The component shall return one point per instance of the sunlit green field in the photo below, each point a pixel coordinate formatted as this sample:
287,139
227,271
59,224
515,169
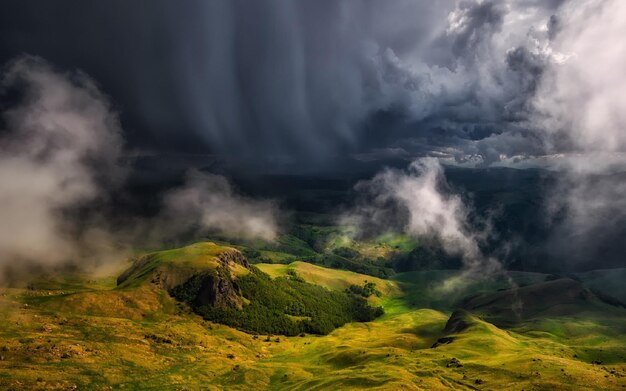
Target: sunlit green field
83,332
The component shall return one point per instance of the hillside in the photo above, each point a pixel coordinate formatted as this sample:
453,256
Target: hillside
329,278
559,297
219,284
85,332
167,269
605,282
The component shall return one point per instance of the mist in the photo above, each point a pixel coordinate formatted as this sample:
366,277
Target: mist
208,203
580,107
60,151
417,201
61,163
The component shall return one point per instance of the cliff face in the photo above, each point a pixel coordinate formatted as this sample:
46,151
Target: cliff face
202,274
217,291
234,256
221,290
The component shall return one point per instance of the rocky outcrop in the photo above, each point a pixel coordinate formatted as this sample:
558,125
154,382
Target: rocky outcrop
216,288
234,256
459,321
200,274
169,268
217,291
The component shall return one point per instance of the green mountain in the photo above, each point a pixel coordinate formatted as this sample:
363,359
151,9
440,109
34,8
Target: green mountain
152,324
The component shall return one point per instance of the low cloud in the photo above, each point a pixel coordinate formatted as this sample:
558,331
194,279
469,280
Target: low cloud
581,110
60,150
62,146
208,203
417,201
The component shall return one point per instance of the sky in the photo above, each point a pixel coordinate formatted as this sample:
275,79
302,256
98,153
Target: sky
303,85
307,87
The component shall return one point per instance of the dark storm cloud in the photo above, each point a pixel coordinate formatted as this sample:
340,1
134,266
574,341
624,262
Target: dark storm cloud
553,26
300,85
281,82
300,78
581,108
121,44
61,163
472,24
527,66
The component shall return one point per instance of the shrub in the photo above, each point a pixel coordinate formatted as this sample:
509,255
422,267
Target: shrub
368,289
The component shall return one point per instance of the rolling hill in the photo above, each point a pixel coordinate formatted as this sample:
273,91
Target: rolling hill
86,332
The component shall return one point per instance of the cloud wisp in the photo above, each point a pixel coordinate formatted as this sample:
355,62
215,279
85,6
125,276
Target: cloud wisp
208,203
581,109
61,163
60,150
417,201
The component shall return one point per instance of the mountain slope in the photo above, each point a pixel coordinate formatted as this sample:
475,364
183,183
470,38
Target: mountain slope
91,334
219,284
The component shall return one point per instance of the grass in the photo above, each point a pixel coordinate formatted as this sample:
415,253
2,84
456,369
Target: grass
608,281
382,247
81,332
329,278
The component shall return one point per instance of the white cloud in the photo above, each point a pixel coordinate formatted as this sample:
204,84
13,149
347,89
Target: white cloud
430,210
208,203
61,147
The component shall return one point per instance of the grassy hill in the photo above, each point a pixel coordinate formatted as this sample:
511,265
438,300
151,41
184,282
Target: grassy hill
85,332
219,284
329,278
606,281
559,297
172,267
334,247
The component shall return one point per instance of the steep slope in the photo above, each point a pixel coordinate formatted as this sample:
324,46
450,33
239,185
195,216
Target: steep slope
167,269
219,284
559,297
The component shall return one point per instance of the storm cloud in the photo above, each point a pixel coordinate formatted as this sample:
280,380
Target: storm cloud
299,84
60,150
298,80
580,106
62,147
304,86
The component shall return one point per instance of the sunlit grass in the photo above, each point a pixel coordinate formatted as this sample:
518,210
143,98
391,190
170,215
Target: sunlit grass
81,331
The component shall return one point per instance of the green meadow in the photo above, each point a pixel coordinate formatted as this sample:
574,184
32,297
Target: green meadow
86,331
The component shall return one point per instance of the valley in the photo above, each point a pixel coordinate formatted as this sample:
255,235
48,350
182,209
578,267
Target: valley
83,331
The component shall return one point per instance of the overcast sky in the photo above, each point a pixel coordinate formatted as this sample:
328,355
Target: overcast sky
307,83
316,87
